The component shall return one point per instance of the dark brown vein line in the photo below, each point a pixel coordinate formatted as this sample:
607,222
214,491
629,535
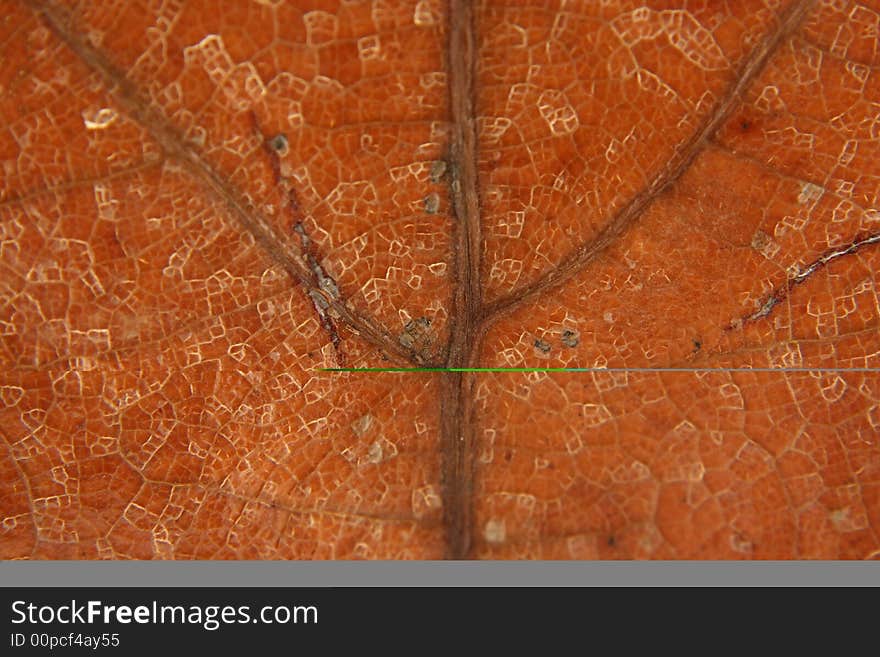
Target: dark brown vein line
307,247
280,248
457,441
783,292
788,21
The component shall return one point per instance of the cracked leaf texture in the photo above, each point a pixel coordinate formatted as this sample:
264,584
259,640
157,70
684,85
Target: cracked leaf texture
204,203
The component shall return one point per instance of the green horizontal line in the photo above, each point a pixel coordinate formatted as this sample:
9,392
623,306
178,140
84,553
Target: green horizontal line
601,369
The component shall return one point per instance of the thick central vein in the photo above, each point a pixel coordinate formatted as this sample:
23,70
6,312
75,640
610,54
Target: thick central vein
457,442
470,316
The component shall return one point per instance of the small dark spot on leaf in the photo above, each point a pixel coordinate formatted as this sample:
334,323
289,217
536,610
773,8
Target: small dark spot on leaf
570,338
418,323
278,143
745,124
438,169
542,346
508,456
612,541
416,334
432,203
697,345
761,240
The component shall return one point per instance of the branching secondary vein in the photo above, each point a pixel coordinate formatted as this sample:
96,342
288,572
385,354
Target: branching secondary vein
788,21
282,249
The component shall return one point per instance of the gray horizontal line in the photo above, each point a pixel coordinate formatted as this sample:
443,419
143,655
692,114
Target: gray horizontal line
820,370
727,369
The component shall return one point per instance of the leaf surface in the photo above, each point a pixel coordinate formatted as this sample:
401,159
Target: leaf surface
203,204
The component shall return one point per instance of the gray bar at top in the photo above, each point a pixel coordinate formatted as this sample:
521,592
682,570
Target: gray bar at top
435,573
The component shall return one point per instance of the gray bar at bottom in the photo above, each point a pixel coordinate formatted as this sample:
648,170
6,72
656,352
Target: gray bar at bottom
435,573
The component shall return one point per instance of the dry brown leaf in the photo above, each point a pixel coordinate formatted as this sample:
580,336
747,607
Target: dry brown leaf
203,204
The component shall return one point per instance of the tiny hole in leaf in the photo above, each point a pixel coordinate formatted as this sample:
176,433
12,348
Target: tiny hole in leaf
278,143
